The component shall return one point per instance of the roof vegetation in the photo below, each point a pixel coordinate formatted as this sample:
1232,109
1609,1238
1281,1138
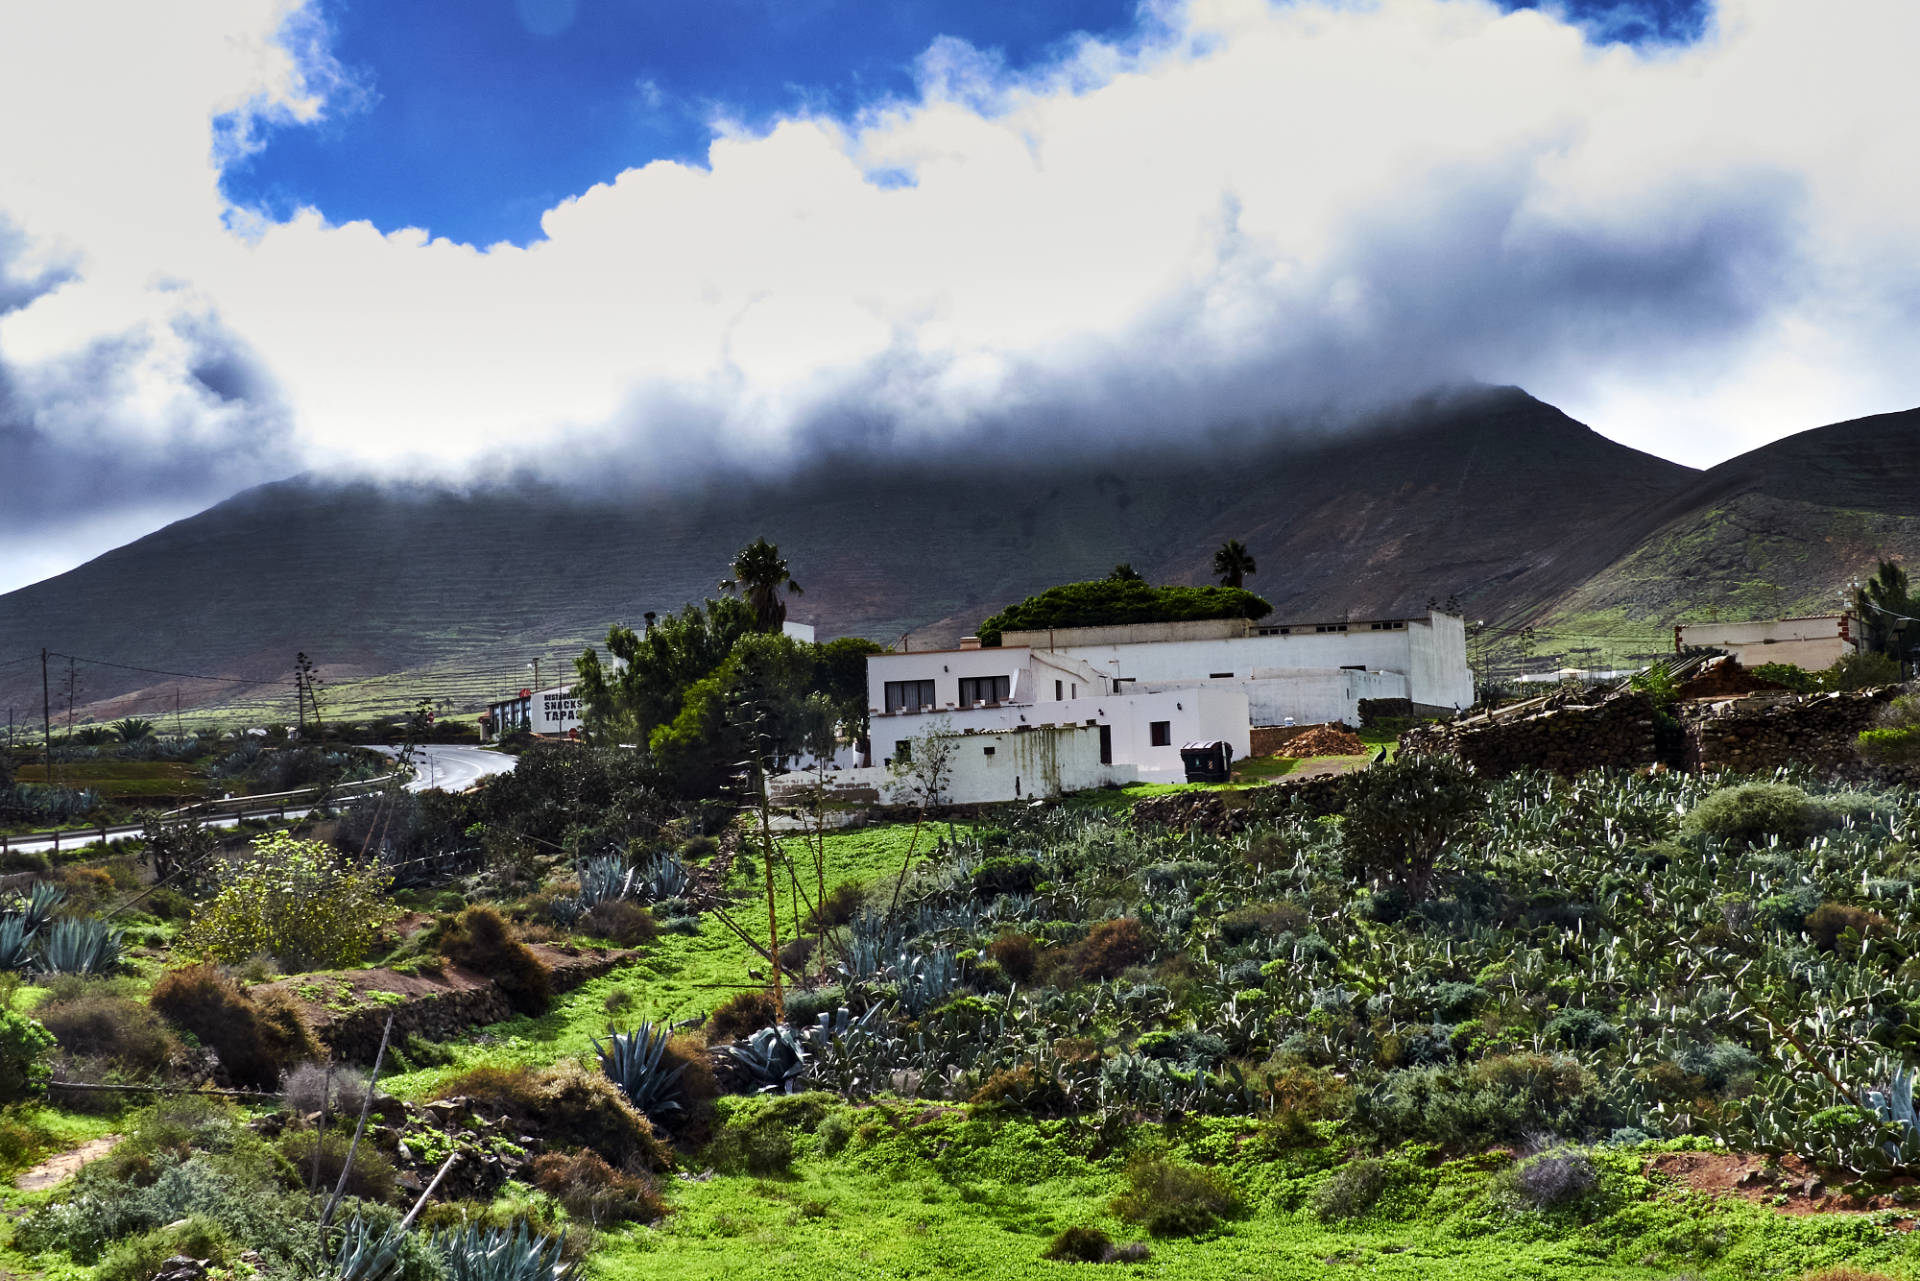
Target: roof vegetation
1107,601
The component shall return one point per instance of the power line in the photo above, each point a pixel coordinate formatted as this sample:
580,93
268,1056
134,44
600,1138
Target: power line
159,671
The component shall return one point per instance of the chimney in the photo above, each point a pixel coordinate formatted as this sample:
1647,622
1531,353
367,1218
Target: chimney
969,642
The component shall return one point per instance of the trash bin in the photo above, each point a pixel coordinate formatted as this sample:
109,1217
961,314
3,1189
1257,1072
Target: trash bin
1208,762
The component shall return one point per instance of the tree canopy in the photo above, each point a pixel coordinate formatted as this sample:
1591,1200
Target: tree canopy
1108,601
760,575
1232,563
1885,605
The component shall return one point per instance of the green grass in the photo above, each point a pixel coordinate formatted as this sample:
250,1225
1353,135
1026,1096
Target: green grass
932,1193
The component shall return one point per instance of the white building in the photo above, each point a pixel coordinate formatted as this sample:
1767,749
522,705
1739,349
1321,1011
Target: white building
544,711
1814,643
1298,672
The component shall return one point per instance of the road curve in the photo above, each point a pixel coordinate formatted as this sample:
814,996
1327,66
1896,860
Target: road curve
450,766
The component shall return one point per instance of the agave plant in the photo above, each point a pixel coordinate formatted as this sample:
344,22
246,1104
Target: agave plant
664,877
604,878
518,1253
366,1254
632,1061
16,943
42,901
774,1057
79,947
925,981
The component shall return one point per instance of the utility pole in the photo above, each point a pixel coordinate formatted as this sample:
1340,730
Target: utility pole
46,713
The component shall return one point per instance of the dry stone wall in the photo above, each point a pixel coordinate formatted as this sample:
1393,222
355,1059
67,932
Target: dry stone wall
1757,734
1564,737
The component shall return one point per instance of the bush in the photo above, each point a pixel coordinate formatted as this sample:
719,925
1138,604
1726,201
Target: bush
373,1174
1262,920
1015,954
1582,1029
1896,741
1400,815
621,920
143,1257
1553,1178
256,1040
752,1140
299,902
595,1193
1502,1099
1827,923
740,1015
23,1053
479,939
1111,600
1080,1245
1006,874
1354,1189
1111,947
102,1024
569,1107
315,1087
1021,1089
1862,669
1172,1199
1752,812
841,905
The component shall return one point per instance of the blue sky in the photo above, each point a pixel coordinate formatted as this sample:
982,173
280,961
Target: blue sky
471,118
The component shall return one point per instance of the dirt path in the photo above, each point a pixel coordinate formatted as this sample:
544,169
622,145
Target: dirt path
55,1168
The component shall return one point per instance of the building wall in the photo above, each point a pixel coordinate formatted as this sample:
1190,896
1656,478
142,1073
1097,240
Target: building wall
1315,696
1192,715
989,767
1437,675
1813,643
945,668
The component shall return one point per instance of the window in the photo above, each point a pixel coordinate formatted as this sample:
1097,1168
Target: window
902,750
1387,627
986,751
984,689
1059,691
1076,690
909,696
1219,676
1331,627
1160,733
1106,744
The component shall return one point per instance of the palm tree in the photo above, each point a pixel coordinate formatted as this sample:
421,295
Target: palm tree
760,574
132,729
1232,563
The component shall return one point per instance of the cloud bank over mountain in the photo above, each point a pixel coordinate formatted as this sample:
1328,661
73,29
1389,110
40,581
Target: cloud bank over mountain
1243,213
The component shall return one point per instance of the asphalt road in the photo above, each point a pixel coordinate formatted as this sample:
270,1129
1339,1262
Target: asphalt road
450,767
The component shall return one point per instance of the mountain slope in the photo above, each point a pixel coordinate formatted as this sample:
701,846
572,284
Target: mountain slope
1775,532
1488,495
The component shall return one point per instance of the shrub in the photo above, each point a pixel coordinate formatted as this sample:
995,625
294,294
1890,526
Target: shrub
373,1174
1862,669
1400,815
568,1106
1111,947
315,1087
741,1014
104,1025
1582,1029
752,1140
1262,920
1896,741
1015,954
1354,1189
143,1257
299,902
621,920
841,905
23,1053
1080,1245
1173,1199
1752,812
1110,600
1827,923
594,1192
255,1040
479,939
1501,1099
1553,1178
1022,1089
1006,874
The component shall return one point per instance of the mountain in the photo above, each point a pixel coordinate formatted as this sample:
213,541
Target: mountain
1772,533
1487,496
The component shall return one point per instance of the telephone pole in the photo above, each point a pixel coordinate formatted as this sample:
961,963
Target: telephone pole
46,713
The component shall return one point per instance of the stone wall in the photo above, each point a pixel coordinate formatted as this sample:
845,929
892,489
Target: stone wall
1757,734
1562,736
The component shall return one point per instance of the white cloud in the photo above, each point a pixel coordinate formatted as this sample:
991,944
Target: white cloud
1250,209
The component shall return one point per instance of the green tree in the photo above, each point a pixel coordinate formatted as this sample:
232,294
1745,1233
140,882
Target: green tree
840,673
1400,815
1107,601
132,729
1885,606
760,575
1125,573
626,703
758,706
1232,563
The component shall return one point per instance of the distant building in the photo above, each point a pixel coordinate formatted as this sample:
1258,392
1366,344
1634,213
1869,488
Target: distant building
1815,642
546,711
